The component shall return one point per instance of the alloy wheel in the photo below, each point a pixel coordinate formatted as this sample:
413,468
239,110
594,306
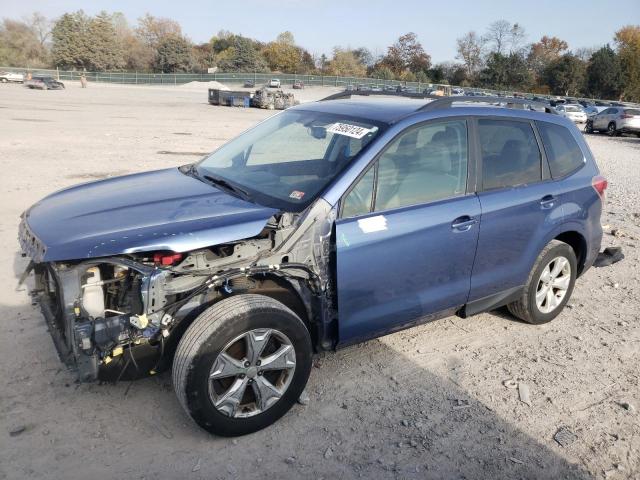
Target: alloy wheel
553,284
251,373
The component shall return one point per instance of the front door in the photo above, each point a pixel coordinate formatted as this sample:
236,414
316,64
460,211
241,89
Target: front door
407,235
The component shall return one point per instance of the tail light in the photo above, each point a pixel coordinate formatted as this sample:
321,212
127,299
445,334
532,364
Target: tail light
626,115
600,185
166,258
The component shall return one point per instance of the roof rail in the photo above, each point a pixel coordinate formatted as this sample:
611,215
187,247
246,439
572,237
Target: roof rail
367,93
445,102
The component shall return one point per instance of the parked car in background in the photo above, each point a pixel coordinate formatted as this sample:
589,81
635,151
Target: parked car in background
298,85
249,84
376,88
389,88
614,121
235,269
457,92
363,87
592,110
274,83
44,83
6,77
573,112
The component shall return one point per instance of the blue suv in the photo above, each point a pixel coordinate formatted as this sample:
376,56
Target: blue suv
325,225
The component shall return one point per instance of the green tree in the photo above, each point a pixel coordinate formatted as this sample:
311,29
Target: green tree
383,73
69,40
604,74
565,75
506,71
628,46
241,56
103,47
174,55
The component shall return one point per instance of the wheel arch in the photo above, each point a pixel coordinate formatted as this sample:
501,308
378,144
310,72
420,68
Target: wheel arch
578,243
279,289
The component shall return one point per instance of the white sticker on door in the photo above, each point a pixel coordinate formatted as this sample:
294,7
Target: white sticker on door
373,224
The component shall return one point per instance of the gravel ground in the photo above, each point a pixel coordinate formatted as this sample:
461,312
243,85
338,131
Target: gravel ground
436,401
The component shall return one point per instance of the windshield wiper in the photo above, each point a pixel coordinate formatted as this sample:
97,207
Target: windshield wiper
221,182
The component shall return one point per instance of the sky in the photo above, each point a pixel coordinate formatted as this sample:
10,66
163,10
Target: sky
320,25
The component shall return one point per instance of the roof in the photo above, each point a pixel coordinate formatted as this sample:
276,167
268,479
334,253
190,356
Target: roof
385,110
394,108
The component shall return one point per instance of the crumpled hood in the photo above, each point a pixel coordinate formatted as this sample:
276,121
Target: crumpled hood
159,210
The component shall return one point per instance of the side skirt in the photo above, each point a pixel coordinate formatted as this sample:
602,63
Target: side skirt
491,302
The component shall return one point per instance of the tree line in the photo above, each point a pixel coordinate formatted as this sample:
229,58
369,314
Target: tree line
499,58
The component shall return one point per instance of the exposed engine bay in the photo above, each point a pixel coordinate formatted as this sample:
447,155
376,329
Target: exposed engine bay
120,317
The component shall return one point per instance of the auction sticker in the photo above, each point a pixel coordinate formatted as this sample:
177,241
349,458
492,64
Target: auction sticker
296,195
353,131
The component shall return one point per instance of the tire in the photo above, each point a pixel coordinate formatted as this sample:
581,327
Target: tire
4,80
224,328
611,129
588,128
526,308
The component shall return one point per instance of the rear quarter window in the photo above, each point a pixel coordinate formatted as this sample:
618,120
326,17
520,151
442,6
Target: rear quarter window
563,153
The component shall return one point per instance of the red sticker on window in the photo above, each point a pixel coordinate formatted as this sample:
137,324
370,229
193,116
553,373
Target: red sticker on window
296,195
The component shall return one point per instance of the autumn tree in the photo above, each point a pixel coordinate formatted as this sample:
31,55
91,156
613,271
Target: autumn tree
406,54
628,45
345,64
282,54
153,30
470,48
604,74
20,45
545,51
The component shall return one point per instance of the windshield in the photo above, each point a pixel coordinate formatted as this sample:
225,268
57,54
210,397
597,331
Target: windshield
287,160
573,108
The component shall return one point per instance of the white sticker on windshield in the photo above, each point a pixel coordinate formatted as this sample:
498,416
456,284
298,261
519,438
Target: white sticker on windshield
353,131
372,224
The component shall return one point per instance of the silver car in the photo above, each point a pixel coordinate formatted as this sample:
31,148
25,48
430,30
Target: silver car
573,112
615,120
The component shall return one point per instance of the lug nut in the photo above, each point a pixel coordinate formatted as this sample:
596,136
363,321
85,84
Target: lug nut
247,364
259,373
258,363
242,375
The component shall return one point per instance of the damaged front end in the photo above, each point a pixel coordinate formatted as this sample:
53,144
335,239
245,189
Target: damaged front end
120,316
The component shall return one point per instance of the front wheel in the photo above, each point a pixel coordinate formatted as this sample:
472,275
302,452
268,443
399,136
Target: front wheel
588,128
242,364
549,285
611,130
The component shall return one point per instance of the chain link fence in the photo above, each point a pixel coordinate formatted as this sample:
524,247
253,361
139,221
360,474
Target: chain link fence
136,78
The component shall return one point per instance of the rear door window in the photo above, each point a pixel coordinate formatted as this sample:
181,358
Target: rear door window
563,153
510,154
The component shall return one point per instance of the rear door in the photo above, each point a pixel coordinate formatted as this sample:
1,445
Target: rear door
519,205
407,233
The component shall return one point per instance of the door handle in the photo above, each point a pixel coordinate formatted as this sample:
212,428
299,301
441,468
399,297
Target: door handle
464,223
548,201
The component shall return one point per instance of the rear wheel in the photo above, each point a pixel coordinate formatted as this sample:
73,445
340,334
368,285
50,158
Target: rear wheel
242,364
611,130
549,285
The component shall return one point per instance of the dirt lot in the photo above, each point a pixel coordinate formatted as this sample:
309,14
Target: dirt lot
429,402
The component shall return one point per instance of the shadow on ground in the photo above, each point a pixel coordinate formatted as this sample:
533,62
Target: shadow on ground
373,413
